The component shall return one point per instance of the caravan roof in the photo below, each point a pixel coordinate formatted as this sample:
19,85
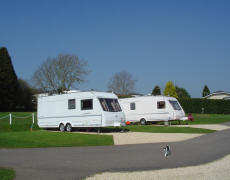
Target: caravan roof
80,94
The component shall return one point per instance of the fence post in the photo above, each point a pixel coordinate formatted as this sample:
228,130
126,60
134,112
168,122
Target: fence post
33,117
10,119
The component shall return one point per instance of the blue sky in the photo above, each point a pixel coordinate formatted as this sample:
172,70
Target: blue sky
187,42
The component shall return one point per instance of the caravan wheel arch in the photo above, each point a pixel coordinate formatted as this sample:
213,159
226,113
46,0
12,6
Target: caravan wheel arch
143,121
67,126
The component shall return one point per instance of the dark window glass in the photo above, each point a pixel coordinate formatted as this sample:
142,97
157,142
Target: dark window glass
175,105
111,105
71,104
86,104
117,105
132,106
104,104
160,104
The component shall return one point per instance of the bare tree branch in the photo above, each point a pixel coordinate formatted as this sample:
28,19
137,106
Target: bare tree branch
60,73
122,83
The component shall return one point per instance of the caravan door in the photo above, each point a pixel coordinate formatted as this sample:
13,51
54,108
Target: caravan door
162,113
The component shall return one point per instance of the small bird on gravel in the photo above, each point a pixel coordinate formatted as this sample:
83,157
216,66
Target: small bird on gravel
167,150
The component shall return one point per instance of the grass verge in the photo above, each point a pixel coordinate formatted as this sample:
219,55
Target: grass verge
167,129
37,139
18,135
207,119
210,118
7,174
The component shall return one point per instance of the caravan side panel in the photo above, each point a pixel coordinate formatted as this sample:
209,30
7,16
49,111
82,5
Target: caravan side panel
54,110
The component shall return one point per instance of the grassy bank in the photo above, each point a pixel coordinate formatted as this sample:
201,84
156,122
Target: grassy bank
18,135
7,174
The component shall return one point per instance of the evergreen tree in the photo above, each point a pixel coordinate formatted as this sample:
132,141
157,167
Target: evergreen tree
182,93
156,91
8,82
206,91
170,90
25,95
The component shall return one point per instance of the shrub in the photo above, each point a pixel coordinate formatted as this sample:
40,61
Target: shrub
211,106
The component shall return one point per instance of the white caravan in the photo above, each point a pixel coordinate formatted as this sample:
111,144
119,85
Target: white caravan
145,109
79,109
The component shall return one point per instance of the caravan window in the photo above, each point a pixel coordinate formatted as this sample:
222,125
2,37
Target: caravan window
132,106
175,105
86,104
110,105
160,104
71,104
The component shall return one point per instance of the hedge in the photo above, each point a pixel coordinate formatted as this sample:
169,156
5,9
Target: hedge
210,106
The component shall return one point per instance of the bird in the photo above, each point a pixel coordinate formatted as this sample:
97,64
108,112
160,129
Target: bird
167,150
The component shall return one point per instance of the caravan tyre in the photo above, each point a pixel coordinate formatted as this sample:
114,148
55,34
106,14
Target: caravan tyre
62,127
143,121
68,127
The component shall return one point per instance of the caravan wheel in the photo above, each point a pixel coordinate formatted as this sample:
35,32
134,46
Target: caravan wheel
68,127
62,127
143,121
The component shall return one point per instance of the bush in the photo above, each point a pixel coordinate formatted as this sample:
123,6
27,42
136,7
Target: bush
211,106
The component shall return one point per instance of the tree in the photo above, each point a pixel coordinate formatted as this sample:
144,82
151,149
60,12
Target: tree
182,93
156,91
122,83
60,73
8,82
206,91
170,90
25,96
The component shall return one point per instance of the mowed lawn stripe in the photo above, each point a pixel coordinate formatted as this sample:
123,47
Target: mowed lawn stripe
36,139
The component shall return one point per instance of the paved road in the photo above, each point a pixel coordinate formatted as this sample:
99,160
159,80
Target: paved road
77,163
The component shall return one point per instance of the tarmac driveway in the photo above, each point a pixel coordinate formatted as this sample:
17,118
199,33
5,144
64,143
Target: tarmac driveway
79,162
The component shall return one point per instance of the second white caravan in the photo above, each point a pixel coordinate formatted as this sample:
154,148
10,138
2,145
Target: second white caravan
145,109
79,109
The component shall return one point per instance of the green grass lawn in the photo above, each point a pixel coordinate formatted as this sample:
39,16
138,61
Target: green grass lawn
7,174
166,129
18,124
36,139
210,118
18,135
207,119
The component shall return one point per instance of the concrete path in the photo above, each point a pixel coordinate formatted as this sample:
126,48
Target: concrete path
77,163
217,127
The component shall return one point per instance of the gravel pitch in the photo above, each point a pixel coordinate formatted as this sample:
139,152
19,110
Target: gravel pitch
141,138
